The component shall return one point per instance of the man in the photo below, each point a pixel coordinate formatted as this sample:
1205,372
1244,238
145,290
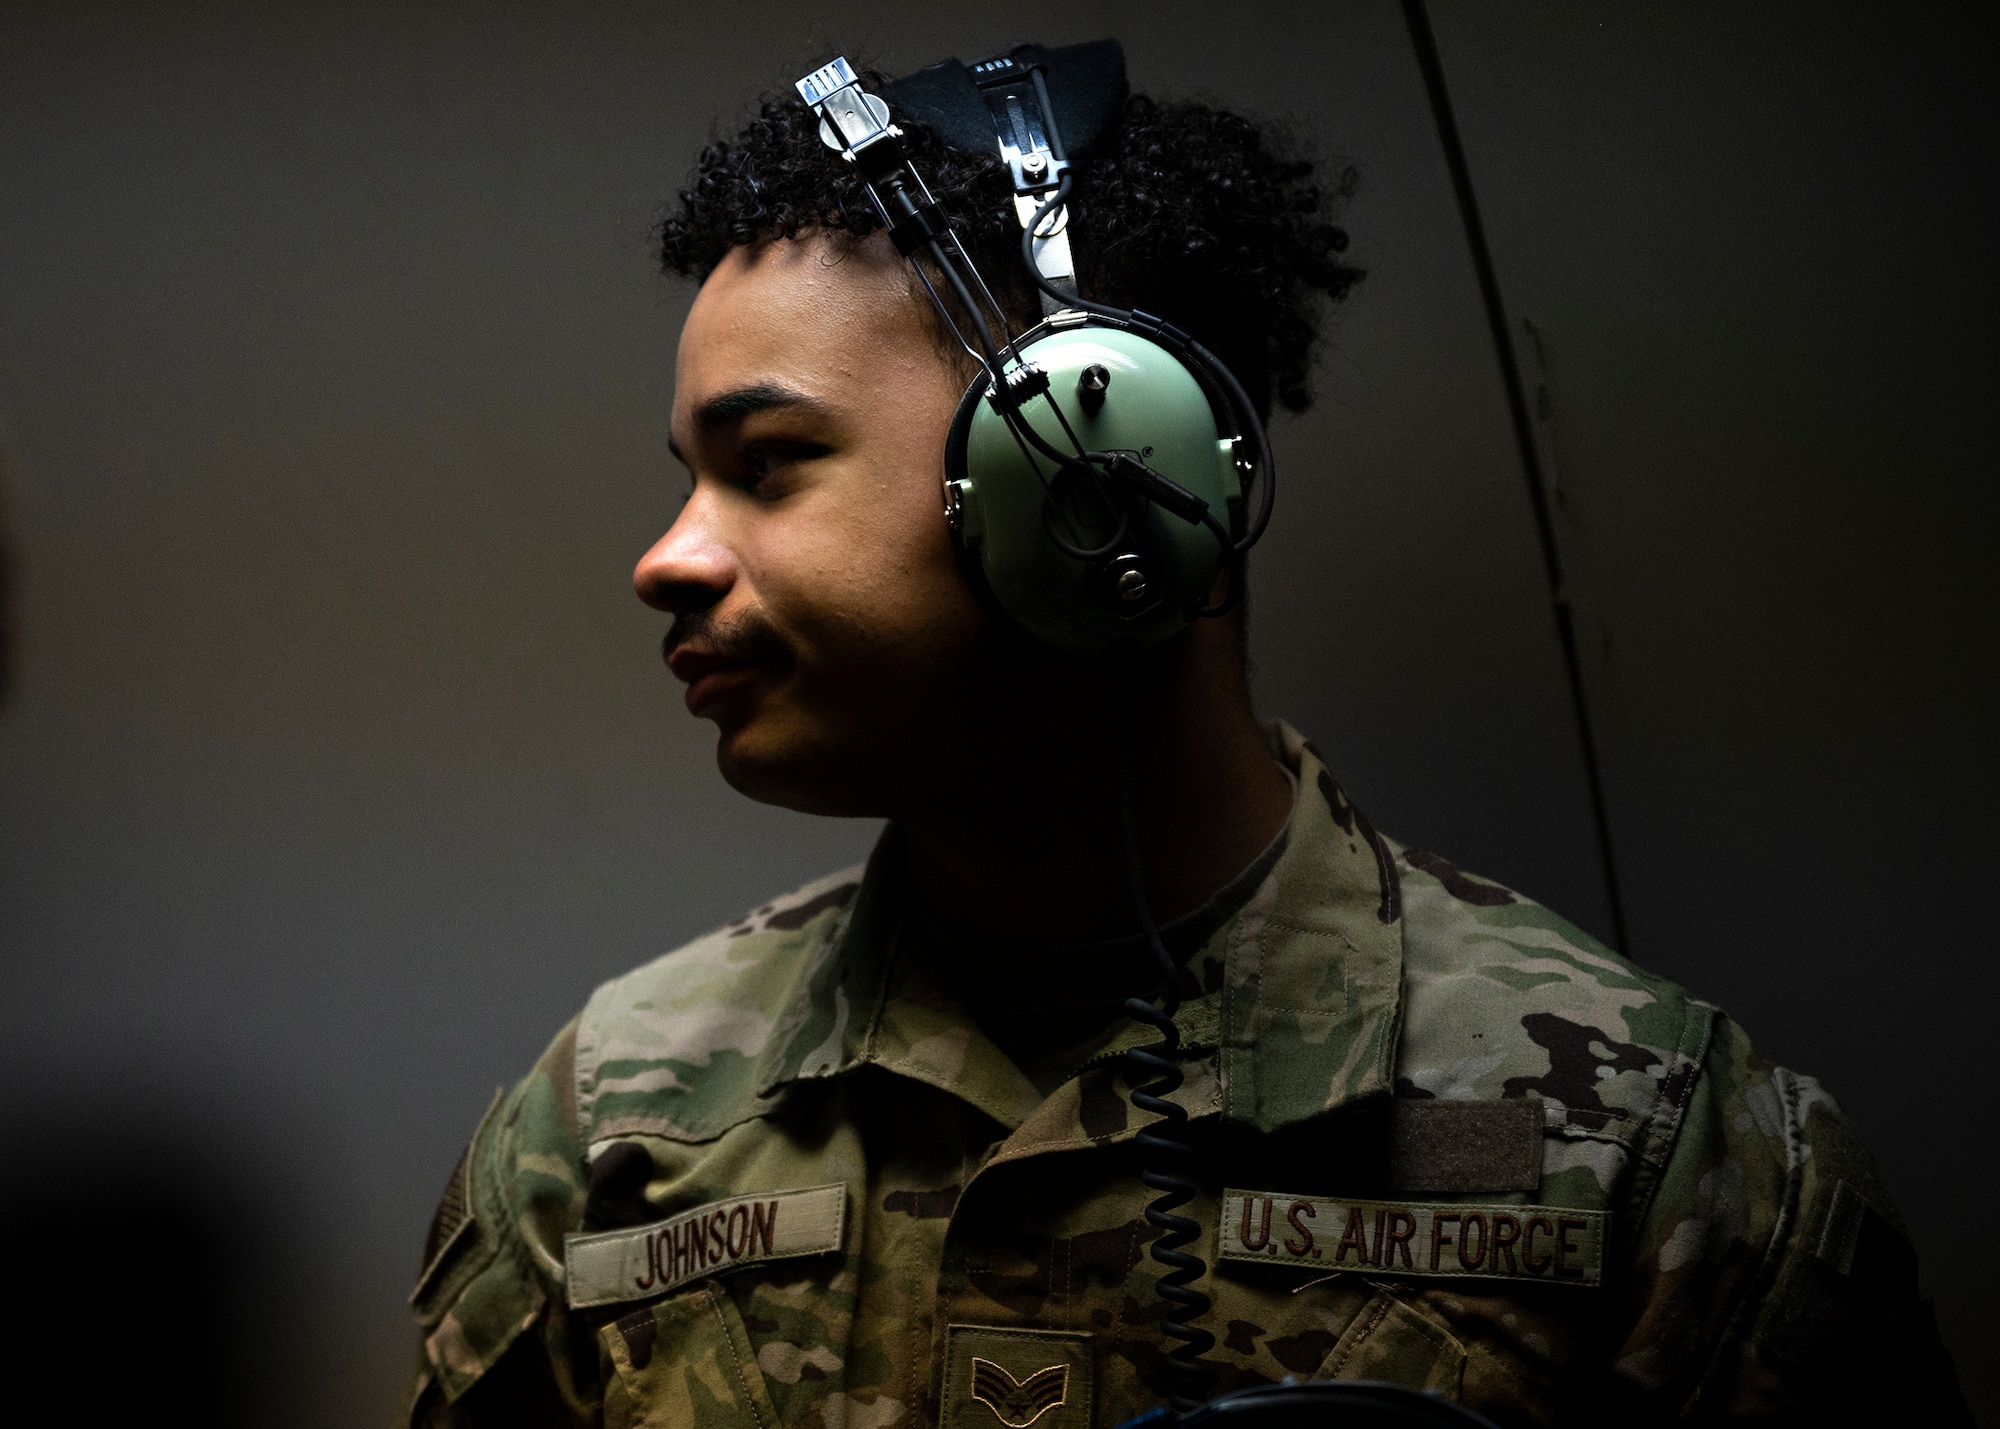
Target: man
866,1158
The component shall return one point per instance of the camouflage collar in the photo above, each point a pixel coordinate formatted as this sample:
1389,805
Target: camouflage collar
1302,991
1313,980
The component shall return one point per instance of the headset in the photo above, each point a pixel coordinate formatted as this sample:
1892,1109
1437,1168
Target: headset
1098,475
1096,471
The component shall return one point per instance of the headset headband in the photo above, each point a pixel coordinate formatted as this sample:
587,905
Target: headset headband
1040,105
1086,88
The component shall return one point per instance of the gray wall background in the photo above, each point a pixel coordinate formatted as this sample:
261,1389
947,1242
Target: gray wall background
341,765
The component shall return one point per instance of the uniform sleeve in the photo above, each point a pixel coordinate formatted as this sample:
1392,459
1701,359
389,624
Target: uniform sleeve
1773,1276
497,1345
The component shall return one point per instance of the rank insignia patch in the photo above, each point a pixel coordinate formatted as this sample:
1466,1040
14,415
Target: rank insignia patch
1010,1379
1556,1245
1019,1404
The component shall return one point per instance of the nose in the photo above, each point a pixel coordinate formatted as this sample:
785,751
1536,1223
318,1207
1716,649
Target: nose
690,568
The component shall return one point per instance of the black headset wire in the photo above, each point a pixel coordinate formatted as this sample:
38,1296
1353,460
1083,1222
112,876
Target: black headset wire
1121,515
1052,509
1153,1068
945,312
1192,352
989,353
1023,431
1154,1071
1248,423
992,353
1092,466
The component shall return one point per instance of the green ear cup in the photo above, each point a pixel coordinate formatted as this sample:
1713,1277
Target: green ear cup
1148,405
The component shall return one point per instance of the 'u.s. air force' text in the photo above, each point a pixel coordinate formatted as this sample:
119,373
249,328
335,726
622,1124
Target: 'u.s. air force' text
1554,1244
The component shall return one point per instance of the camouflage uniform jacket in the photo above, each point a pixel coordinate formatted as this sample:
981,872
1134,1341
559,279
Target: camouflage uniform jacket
779,1177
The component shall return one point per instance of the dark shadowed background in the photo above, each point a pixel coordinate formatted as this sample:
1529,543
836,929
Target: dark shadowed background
340,763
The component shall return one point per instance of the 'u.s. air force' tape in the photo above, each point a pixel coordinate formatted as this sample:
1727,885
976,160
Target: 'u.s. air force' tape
746,1230
1552,1244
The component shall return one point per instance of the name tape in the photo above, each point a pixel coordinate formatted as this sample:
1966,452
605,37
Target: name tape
1552,1244
612,1266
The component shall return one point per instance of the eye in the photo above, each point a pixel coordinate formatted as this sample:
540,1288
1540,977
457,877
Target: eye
770,466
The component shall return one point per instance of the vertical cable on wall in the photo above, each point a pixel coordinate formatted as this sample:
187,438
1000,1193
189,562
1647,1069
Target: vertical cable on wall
1417,16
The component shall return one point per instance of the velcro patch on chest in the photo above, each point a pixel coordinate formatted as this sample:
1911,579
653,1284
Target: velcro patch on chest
1551,1244
1458,1146
614,1266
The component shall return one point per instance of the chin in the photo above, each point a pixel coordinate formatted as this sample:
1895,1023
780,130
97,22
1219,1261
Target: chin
870,744
806,772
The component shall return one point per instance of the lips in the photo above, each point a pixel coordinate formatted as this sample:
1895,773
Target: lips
713,676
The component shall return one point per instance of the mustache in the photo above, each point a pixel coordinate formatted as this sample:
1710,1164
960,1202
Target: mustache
741,637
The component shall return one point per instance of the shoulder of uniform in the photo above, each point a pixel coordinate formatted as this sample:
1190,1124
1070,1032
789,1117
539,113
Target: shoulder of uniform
491,1257
1774,1239
1505,998
668,1047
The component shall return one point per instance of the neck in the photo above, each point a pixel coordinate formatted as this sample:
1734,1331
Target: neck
1029,844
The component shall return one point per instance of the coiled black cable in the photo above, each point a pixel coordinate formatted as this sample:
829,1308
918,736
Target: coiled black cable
1165,1173
1155,1072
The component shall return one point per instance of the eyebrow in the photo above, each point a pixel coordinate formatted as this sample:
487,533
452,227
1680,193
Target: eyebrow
726,409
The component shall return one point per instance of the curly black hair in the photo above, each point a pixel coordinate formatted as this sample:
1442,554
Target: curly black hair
1182,209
